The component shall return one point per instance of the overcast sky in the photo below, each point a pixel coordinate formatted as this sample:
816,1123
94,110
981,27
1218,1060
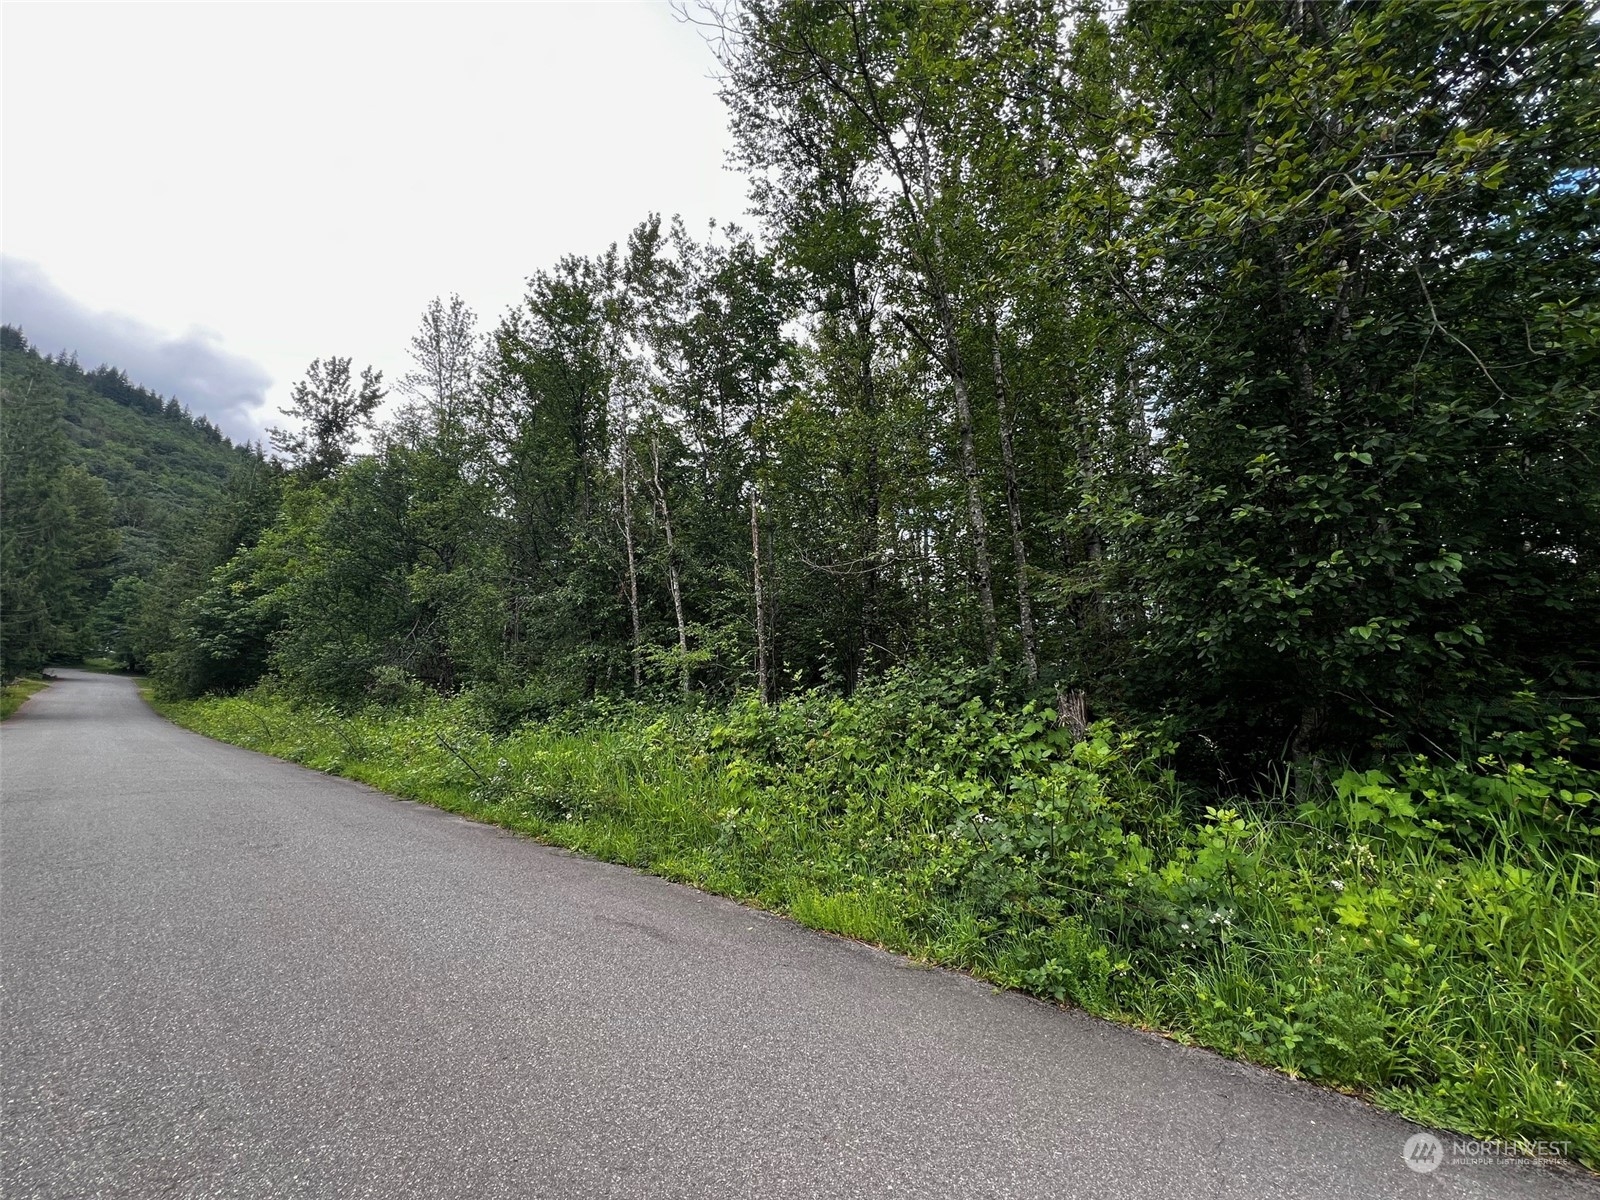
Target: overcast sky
213,195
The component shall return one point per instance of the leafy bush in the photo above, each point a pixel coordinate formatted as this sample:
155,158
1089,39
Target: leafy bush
1521,779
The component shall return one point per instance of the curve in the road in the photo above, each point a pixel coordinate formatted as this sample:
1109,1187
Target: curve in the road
224,975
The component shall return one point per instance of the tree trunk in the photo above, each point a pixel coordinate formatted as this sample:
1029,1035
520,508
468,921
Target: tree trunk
1072,712
633,568
932,269
673,583
978,525
871,582
1019,550
762,682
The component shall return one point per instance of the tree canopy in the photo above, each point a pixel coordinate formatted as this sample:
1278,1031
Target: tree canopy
1230,367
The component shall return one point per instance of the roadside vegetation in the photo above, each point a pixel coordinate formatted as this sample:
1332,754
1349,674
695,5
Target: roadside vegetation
1123,521
1428,935
17,691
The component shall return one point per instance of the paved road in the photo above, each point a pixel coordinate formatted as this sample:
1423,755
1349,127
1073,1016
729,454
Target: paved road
227,976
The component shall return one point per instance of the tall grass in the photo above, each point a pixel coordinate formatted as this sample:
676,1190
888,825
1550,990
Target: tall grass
1447,970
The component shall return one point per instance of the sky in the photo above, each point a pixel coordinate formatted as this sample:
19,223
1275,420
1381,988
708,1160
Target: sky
211,196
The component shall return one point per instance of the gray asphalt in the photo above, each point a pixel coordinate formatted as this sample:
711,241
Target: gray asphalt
224,975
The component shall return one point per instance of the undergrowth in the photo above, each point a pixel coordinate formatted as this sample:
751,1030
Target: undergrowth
1427,934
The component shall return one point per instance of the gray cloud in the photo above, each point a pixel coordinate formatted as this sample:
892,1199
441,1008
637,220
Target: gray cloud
194,367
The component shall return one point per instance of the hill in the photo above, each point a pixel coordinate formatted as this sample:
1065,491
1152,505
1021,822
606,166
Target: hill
162,465
103,482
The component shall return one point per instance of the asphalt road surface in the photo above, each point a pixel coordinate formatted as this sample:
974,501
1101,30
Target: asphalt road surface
224,975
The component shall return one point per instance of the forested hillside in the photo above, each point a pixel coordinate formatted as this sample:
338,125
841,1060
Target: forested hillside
103,484
1124,520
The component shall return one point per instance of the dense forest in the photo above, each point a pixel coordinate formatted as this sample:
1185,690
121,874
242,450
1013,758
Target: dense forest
102,483
1124,519
1228,368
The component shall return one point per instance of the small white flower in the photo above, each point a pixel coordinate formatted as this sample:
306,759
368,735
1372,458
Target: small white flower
1336,884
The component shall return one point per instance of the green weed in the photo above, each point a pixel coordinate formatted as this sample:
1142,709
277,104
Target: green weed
17,691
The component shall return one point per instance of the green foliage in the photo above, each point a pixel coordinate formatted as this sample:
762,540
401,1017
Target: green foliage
1225,371
13,694
1354,939
1522,782
104,483
1367,521
333,410
205,620
57,544
161,466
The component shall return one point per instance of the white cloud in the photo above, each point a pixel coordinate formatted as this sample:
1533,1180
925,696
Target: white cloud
195,366
305,177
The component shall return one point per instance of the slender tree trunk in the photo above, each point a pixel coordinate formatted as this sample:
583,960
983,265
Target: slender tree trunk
978,525
932,267
933,273
673,584
762,682
633,568
1084,607
772,589
1087,480
871,584
1019,550
1133,407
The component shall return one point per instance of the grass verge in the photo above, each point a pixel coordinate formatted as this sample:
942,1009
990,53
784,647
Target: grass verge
16,692
1370,933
